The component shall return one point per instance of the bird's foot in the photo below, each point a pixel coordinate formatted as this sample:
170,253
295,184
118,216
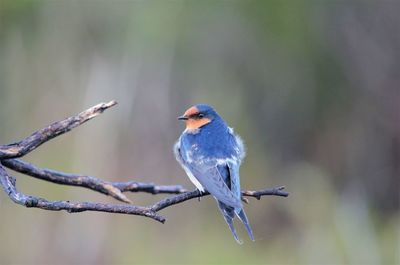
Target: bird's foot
200,193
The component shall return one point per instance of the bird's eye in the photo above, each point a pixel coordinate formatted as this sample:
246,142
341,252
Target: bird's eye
200,115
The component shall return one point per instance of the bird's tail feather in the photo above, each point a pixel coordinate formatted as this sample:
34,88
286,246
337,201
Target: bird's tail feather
229,213
229,220
242,216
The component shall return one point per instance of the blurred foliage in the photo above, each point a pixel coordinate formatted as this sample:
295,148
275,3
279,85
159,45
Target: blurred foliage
312,87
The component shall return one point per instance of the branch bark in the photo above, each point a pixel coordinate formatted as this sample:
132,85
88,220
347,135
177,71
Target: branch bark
55,129
9,187
197,194
10,152
113,189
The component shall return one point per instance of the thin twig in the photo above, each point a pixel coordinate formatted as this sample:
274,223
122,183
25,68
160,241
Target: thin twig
55,129
167,202
259,193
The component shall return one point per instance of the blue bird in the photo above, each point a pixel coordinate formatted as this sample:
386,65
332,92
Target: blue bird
211,153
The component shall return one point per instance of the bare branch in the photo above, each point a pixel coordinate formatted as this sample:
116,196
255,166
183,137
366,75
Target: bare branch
9,187
258,194
113,189
55,129
197,194
8,184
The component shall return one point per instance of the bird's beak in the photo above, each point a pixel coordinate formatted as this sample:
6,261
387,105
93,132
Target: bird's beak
183,118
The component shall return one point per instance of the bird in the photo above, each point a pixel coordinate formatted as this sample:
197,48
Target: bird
211,154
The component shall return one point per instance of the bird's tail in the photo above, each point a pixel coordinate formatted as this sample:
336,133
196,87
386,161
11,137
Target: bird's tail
229,213
242,216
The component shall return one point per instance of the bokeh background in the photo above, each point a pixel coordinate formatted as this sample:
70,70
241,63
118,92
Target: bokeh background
313,87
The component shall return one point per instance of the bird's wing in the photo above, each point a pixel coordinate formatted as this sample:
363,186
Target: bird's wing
211,178
177,152
234,178
184,164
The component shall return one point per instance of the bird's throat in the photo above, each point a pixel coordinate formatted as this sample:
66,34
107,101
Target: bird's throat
192,125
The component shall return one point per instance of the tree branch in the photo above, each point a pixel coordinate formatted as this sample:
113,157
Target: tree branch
9,153
167,202
9,187
113,189
55,129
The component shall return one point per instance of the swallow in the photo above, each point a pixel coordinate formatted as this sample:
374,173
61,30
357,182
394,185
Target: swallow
211,154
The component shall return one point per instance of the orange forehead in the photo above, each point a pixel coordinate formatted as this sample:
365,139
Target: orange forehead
191,111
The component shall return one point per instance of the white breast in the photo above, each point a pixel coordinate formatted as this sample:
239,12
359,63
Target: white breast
187,170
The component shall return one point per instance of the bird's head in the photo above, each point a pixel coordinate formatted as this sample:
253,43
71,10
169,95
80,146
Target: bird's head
198,116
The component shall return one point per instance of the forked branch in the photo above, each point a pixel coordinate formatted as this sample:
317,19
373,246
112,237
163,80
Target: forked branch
9,187
8,158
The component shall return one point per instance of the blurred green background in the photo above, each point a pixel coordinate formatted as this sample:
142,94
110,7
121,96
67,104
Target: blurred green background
313,87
